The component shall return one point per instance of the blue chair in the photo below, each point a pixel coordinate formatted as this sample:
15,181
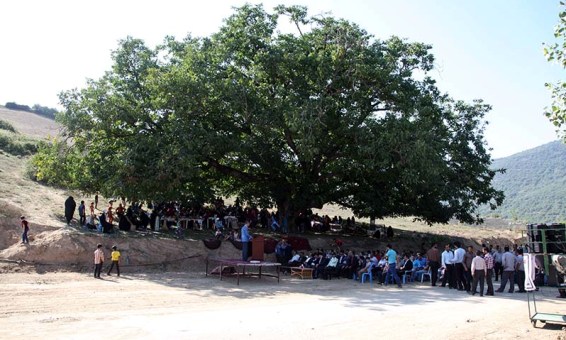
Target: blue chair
428,273
366,275
407,274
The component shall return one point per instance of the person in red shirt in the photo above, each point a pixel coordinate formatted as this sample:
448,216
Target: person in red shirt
338,243
120,210
109,215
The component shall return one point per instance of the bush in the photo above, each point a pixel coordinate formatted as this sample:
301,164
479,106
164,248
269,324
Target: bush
16,146
4,125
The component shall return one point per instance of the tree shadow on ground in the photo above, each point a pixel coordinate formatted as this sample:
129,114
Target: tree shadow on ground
353,293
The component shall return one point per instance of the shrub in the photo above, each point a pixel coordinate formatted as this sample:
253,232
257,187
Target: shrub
4,125
16,146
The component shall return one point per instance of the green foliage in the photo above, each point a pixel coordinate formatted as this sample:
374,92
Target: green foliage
534,185
38,109
17,145
18,107
44,111
325,114
53,164
4,125
555,52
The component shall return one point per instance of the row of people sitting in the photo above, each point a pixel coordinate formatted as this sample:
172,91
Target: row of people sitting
348,264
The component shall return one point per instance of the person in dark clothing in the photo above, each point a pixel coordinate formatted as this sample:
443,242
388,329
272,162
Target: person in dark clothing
25,230
70,206
82,213
105,227
433,256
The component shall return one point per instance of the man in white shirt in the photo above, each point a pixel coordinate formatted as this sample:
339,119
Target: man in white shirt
520,267
479,271
460,267
448,265
508,261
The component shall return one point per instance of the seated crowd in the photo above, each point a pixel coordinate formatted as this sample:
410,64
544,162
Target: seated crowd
217,216
461,268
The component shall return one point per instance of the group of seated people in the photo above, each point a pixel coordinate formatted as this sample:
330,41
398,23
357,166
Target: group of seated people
349,264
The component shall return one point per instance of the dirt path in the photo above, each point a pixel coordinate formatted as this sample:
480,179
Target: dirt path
190,306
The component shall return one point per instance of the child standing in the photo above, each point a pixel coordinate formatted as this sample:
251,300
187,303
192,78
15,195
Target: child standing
98,260
115,260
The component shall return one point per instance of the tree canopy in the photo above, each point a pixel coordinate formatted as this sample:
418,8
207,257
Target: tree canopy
555,52
323,112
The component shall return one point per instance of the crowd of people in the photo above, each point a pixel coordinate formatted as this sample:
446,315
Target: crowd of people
216,216
464,269
457,267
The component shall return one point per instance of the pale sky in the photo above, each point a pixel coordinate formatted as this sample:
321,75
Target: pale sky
484,49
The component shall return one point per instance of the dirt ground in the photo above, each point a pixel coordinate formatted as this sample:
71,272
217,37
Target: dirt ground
46,288
192,306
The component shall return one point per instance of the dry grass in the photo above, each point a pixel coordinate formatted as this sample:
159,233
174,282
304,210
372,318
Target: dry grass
30,124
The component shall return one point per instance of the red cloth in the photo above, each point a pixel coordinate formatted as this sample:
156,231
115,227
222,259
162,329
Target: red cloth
269,245
299,243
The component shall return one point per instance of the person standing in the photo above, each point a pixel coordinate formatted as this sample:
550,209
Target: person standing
98,260
468,258
96,201
115,260
489,264
392,269
448,265
460,267
508,261
92,209
70,206
498,259
433,257
82,213
109,214
246,238
520,267
479,271
25,229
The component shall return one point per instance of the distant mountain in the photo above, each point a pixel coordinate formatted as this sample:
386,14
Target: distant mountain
534,185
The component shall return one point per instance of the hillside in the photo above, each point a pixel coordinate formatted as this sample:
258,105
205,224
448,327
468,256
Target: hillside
30,124
534,185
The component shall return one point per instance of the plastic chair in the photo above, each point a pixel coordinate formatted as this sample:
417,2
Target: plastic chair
426,274
409,274
367,274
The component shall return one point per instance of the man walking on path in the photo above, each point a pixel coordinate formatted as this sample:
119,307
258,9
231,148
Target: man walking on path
392,270
98,260
115,260
25,229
